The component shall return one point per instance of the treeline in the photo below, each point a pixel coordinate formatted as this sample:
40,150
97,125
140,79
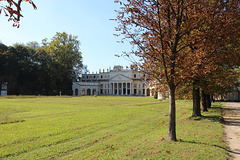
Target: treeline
41,69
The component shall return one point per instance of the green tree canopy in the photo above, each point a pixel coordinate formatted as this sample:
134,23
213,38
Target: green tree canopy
46,69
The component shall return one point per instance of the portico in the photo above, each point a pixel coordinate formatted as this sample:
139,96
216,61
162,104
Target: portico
121,88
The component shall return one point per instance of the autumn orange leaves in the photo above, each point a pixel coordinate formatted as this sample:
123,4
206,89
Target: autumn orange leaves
13,10
179,41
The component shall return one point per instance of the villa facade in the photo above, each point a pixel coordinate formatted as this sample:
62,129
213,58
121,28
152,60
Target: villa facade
118,81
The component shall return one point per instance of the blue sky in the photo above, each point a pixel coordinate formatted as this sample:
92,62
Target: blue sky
89,20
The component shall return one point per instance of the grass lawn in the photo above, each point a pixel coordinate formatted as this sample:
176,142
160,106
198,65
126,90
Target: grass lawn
105,128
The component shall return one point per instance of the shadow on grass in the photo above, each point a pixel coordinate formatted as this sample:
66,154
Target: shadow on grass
211,118
201,143
214,108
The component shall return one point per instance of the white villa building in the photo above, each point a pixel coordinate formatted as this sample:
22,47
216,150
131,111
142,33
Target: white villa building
119,81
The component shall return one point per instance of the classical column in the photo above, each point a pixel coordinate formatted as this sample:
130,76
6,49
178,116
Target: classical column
145,87
113,88
122,89
130,88
126,89
110,88
104,88
137,89
97,91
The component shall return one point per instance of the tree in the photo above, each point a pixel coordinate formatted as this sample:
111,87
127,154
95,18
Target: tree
173,37
196,100
65,61
59,62
19,70
204,101
13,10
3,50
33,69
226,58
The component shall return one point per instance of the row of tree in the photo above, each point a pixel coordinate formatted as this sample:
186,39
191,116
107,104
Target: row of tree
183,42
44,69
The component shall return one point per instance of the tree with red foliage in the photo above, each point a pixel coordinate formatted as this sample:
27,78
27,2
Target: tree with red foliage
176,39
13,10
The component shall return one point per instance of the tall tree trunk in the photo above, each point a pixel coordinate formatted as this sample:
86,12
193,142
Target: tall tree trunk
196,101
208,101
172,115
212,99
204,101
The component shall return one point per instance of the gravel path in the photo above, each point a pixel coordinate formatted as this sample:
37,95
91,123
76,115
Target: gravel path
231,115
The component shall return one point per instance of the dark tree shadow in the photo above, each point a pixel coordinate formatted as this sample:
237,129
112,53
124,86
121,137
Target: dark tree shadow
231,117
231,122
201,143
211,118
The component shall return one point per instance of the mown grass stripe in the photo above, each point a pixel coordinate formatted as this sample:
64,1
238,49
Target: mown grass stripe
106,128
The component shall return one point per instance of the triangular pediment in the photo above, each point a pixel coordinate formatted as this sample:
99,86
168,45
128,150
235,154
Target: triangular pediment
120,77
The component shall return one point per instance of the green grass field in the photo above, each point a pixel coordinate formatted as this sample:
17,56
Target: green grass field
105,128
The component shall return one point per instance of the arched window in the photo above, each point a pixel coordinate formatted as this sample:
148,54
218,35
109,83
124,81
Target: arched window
88,92
148,92
76,92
